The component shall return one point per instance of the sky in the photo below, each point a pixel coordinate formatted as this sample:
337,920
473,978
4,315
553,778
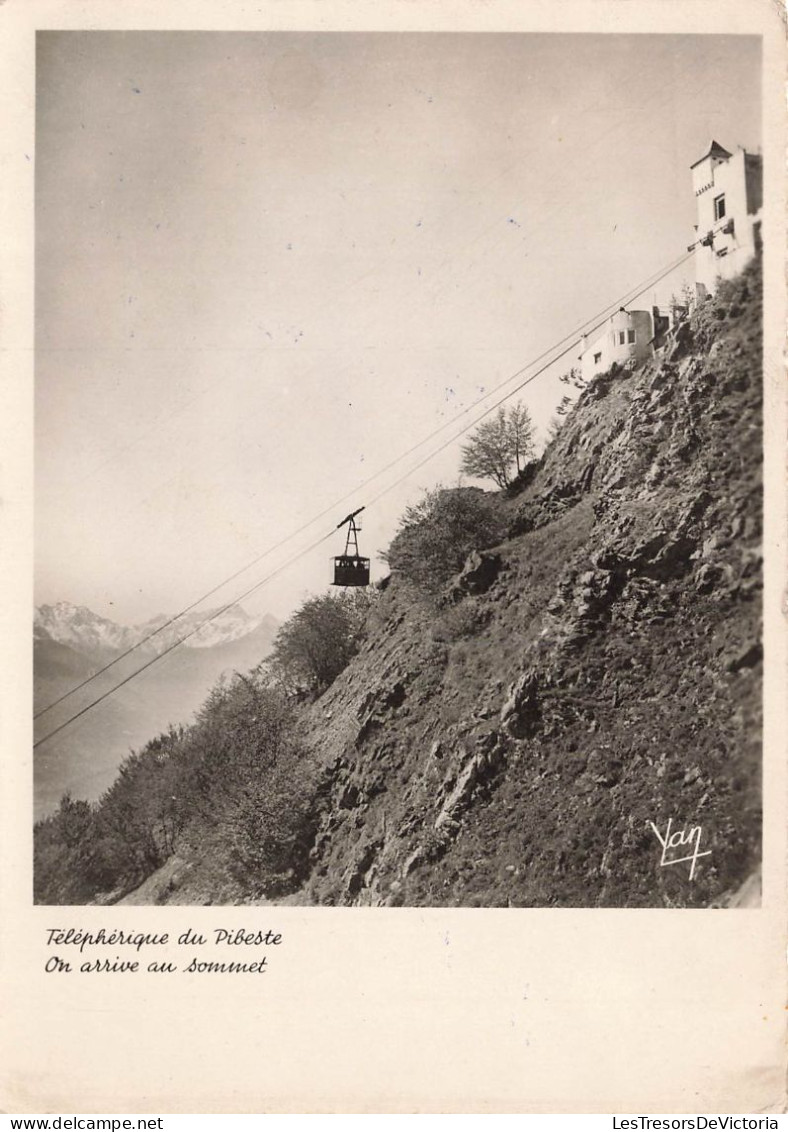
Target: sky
268,264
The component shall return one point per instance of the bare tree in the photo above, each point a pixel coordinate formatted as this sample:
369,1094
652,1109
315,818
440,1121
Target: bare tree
500,447
521,434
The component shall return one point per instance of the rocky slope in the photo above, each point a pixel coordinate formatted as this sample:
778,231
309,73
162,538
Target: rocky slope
598,671
514,739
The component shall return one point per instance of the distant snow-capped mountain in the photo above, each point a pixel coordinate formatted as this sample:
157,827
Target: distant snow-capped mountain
82,629
209,628
135,700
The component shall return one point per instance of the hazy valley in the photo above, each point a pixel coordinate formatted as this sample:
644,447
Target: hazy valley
71,643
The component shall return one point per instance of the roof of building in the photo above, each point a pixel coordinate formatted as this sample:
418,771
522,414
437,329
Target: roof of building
714,149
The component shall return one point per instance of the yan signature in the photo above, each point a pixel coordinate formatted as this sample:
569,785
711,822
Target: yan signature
674,844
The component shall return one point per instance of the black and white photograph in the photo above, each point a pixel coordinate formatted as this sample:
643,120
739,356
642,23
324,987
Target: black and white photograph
398,469
393,510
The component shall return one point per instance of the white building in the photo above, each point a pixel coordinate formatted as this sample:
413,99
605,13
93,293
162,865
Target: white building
729,197
628,336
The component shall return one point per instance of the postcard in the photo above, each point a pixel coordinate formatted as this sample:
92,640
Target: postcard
394,477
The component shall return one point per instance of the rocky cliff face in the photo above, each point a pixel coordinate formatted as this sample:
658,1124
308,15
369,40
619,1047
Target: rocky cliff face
597,672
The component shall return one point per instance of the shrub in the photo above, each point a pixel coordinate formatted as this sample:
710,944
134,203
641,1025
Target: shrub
436,535
253,784
318,641
459,622
526,476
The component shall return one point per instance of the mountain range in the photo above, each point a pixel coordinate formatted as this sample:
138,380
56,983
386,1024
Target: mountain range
71,644
82,629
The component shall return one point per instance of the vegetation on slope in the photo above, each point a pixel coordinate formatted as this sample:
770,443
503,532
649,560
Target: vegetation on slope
235,792
436,535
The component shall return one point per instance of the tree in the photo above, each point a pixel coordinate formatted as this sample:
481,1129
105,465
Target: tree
235,792
436,535
501,446
252,787
318,641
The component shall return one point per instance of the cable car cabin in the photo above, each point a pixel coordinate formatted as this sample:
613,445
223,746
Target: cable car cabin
350,569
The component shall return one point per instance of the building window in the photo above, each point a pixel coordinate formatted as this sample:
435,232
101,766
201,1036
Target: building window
597,358
622,337
719,207
631,337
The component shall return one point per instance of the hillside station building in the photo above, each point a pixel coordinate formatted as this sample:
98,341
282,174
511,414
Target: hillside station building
729,199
